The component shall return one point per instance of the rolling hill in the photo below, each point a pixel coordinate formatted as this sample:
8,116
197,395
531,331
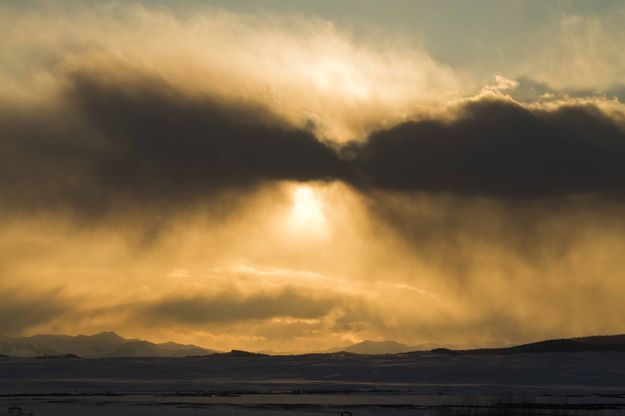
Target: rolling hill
583,344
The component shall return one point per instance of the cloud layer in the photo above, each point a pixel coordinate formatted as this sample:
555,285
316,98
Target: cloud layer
147,143
138,141
265,182
498,147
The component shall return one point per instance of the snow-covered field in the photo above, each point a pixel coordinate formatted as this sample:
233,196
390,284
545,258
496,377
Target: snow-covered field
404,384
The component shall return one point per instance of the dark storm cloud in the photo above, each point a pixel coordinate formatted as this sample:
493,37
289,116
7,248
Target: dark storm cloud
146,143
233,306
108,144
499,148
183,142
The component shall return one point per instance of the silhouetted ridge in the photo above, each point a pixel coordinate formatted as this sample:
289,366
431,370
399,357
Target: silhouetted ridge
241,354
444,351
585,344
602,340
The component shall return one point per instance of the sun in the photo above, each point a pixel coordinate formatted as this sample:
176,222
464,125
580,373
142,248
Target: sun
307,212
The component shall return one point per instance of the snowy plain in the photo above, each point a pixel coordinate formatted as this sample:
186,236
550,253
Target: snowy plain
419,383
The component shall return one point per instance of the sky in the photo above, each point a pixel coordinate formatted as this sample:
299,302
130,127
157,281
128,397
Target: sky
294,176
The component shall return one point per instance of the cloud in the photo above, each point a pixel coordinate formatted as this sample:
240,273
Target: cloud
528,90
147,143
232,306
505,269
591,46
497,147
20,311
148,117
481,212
137,141
304,69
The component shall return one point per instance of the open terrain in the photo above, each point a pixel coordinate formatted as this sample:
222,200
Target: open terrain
582,383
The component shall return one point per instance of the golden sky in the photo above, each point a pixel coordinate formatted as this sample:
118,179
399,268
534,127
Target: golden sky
293,180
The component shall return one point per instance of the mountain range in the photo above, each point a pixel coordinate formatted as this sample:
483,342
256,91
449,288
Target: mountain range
104,344
109,344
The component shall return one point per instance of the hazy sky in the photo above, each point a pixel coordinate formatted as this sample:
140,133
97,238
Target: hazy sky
293,176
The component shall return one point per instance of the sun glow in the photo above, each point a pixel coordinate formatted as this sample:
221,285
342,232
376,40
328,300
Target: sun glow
307,212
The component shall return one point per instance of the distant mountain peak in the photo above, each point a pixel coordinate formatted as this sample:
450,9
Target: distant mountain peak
372,342
370,347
